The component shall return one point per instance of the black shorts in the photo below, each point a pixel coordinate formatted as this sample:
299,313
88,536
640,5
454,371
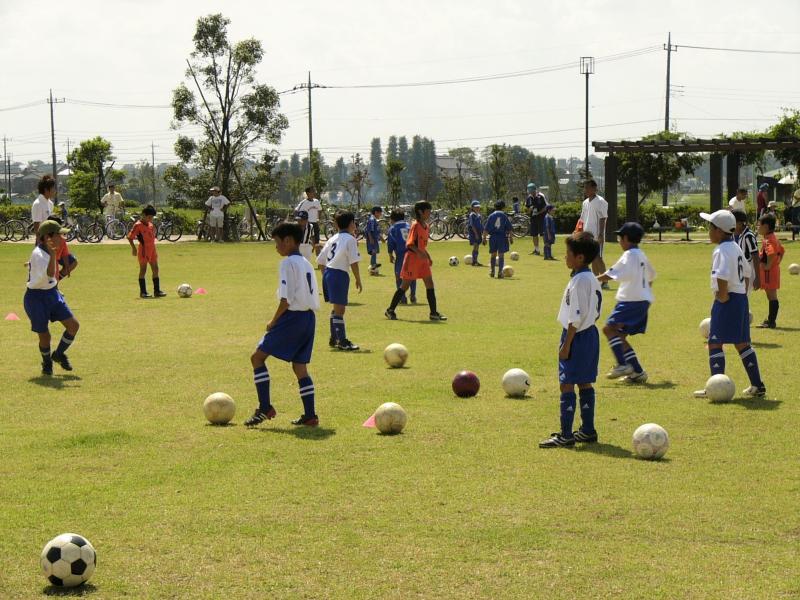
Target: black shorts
537,226
315,232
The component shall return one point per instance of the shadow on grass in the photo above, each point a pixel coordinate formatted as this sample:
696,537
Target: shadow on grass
765,345
606,450
359,351
81,590
220,425
787,329
664,385
355,304
303,433
55,382
752,403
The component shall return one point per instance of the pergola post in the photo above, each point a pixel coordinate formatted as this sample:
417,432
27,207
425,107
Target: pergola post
732,173
632,193
715,184
611,165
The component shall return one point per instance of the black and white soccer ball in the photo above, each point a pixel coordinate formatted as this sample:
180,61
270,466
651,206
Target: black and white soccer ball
453,261
68,560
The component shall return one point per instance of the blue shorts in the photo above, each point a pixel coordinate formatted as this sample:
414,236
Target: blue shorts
498,243
632,316
730,322
537,225
373,248
474,240
335,285
44,307
292,337
584,354
398,263
64,261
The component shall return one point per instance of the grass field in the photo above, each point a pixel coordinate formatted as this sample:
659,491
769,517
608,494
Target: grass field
461,505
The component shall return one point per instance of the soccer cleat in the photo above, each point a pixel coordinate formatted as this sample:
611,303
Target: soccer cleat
477,264
145,295
437,317
377,266
535,253
766,325
585,438
259,417
332,342
390,314
346,345
700,394
619,371
307,420
413,299
159,294
491,274
47,366
556,440
636,378
403,300
62,360
755,391
501,276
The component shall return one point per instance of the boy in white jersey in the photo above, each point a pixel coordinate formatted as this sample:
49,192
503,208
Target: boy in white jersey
730,313
290,333
580,344
635,275
338,255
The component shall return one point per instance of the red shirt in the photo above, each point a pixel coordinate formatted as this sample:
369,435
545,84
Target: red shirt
145,233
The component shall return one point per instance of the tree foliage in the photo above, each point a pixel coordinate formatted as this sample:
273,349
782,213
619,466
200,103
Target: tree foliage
787,127
497,161
92,168
394,184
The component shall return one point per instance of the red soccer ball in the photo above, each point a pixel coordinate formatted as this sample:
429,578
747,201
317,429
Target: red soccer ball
466,384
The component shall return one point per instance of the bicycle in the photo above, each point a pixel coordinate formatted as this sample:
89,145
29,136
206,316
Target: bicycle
18,230
168,227
116,228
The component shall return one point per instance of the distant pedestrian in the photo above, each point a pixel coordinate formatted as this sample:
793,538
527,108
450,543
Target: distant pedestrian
739,201
42,207
218,205
536,204
594,214
761,199
313,207
111,202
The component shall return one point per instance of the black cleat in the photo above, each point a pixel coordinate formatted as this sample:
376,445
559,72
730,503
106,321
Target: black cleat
332,342
307,420
47,366
766,325
403,300
437,317
585,438
390,314
159,294
62,360
413,299
556,440
491,274
259,417
145,295
347,345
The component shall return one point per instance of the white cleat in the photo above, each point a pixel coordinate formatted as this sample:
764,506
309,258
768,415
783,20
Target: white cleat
754,392
636,378
619,371
700,394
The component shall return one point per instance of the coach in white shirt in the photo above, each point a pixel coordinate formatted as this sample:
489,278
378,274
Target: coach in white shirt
112,202
594,214
313,207
42,207
738,202
216,216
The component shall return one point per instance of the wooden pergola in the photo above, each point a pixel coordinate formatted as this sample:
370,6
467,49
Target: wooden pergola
716,148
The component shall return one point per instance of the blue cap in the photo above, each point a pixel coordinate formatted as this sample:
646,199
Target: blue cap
475,203
531,186
301,215
633,231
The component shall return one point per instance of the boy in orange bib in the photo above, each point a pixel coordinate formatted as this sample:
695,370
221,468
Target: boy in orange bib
144,231
769,260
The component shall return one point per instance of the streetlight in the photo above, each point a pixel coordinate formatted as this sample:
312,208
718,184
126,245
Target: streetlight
587,68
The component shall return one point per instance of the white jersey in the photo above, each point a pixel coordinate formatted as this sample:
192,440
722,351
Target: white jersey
41,209
736,204
217,203
38,279
728,263
634,273
582,301
297,283
312,207
339,252
111,203
591,212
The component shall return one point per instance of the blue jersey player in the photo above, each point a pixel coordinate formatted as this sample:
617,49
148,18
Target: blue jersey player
290,333
635,275
580,344
730,312
373,234
549,235
498,229
475,231
396,248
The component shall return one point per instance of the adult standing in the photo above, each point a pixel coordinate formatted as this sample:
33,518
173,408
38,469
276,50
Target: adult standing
42,207
536,204
739,201
594,214
218,205
313,207
761,199
111,202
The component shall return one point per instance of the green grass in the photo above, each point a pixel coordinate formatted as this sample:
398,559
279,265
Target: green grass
461,505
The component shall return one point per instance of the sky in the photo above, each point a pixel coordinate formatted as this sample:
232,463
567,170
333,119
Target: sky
123,52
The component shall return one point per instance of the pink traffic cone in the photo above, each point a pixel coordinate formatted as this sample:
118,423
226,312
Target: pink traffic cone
12,317
369,422
200,291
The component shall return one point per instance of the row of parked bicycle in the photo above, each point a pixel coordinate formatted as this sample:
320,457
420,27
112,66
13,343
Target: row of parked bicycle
93,228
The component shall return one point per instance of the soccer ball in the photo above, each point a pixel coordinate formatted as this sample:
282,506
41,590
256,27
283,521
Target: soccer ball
516,383
395,355
68,560
373,270
720,388
453,261
794,269
468,259
705,327
219,408
390,418
650,441
508,271
514,256
466,384
184,290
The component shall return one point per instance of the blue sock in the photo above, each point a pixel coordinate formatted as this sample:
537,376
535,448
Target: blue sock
64,344
587,410
413,288
338,328
474,256
373,259
750,363
333,327
616,347
567,413
261,379
502,262
307,396
716,360
492,262
632,360
45,352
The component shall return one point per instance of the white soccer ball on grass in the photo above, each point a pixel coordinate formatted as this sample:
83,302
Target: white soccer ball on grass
390,418
705,327
395,355
453,261
794,269
516,383
514,256
219,408
650,441
468,259
68,560
720,388
185,290
508,271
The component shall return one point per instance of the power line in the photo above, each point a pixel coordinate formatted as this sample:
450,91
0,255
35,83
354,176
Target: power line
20,106
112,105
747,50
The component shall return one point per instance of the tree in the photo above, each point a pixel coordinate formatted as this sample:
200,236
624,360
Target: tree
394,168
338,174
376,172
405,176
233,111
358,181
787,127
757,158
497,162
92,166
391,148
316,176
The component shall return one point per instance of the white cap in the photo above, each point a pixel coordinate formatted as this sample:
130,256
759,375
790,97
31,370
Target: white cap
723,219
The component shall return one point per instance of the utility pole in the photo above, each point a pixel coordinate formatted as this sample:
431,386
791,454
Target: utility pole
51,102
6,169
310,126
587,68
153,162
670,49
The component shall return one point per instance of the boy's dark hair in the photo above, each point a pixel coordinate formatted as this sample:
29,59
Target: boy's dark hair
310,189
420,207
769,221
740,215
591,183
742,190
46,183
149,210
583,242
499,205
549,208
343,219
288,230
375,209
514,199
397,215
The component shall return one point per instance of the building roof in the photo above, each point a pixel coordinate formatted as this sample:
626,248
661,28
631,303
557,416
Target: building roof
719,145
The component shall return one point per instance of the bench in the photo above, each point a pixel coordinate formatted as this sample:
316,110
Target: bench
688,230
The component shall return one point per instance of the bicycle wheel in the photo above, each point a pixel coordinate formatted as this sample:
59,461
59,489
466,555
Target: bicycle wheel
94,232
174,232
116,230
16,231
438,230
520,225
